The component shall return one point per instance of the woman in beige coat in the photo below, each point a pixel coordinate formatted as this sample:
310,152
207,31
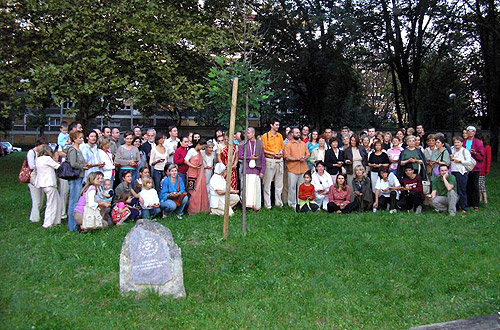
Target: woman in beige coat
46,180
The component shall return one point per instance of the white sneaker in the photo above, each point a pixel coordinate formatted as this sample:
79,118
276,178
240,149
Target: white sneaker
179,216
418,210
374,210
393,211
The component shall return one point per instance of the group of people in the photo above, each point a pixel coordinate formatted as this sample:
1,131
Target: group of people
119,177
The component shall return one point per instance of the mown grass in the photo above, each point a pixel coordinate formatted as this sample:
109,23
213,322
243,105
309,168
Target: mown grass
374,271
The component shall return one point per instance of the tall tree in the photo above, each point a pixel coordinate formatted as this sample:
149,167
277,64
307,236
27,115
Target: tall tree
404,32
308,48
484,15
99,54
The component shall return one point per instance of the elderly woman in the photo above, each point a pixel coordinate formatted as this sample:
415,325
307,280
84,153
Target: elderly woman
459,158
36,193
46,181
173,196
106,157
415,157
322,181
361,186
77,161
218,191
208,156
128,156
318,154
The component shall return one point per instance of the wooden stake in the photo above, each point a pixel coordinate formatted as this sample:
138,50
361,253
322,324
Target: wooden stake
229,169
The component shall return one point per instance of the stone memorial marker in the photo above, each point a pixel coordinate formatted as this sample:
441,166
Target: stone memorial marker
151,260
488,322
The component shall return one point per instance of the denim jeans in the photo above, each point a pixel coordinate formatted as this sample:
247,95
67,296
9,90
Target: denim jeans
150,213
75,186
169,206
157,176
462,189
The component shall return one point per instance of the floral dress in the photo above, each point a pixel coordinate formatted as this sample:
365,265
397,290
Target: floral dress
224,156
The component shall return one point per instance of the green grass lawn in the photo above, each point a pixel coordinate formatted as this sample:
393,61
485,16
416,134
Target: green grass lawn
365,270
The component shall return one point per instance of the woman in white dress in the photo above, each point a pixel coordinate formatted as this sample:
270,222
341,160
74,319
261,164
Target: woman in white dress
321,181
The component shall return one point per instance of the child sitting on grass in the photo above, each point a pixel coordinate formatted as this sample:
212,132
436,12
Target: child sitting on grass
151,205
121,211
306,201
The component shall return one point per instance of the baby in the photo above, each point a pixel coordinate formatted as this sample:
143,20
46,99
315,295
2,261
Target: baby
106,191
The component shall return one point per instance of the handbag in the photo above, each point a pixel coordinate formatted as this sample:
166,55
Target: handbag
435,170
66,172
92,218
25,173
469,166
179,198
427,187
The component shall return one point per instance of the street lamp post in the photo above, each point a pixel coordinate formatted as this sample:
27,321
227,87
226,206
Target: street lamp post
452,97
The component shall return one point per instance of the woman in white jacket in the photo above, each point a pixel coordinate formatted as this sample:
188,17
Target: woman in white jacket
35,193
46,180
459,158
108,170
321,181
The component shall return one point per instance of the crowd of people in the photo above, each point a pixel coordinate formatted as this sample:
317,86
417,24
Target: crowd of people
116,177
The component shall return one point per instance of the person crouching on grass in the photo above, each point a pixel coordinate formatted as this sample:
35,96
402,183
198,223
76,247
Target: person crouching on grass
306,201
444,192
151,205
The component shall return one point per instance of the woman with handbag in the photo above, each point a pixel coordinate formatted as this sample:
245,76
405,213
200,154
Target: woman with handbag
75,158
173,196
88,213
197,184
36,193
46,181
460,157
440,156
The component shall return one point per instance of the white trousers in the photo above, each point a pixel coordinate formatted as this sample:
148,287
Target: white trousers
233,200
274,172
294,181
64,194
36,202
53,207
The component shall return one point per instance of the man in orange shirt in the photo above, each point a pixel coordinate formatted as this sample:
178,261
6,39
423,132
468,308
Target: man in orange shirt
273,150
296,153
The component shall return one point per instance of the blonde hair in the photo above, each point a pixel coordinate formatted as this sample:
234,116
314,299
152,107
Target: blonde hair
145,181
360,167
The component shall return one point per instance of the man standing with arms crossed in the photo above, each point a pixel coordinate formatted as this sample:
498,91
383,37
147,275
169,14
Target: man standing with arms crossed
296,153
273,150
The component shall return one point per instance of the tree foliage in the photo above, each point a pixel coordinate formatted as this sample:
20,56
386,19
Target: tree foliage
252,82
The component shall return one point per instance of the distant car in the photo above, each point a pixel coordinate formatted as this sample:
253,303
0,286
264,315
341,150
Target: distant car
8,148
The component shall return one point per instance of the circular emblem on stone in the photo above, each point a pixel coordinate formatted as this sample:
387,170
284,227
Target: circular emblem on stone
148,247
